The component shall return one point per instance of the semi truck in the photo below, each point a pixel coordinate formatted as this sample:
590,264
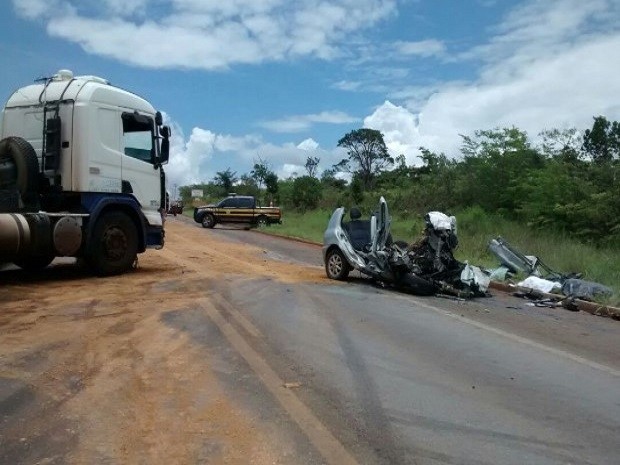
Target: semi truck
81,174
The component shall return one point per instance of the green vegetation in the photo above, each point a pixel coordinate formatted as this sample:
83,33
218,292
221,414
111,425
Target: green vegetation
558,198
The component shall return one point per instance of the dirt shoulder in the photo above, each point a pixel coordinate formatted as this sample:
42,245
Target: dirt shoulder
91,372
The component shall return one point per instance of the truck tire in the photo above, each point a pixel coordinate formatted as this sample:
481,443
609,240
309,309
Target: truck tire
113,247
336,265
23,156
262,222
208,221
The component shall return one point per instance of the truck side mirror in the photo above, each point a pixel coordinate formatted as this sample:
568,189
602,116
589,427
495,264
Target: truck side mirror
164,153
158,119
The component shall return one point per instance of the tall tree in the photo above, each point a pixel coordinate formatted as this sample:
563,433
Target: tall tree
260,172
225,179
602,142
367,155
271,185
312,165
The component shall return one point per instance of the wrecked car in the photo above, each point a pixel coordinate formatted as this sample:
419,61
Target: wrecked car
425,267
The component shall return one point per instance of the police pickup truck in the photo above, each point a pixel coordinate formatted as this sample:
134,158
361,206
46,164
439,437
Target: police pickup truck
237,209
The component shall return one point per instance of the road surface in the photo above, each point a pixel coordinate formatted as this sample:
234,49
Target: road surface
231,347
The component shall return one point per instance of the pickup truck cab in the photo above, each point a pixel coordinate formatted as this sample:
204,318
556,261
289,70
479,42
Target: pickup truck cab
237,209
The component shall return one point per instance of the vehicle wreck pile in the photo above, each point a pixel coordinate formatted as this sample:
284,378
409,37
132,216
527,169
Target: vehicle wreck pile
541,277
425,267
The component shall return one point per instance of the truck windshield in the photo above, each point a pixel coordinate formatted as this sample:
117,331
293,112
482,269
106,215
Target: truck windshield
138,137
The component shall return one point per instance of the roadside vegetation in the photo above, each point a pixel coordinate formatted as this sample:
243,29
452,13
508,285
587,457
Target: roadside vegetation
558,199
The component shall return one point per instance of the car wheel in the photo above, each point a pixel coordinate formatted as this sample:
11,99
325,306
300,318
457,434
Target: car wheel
336,265
262,222
208,221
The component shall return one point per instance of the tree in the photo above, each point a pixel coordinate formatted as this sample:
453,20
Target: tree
367,155
271,184
307,192
563,145
225,179
602,142
312,165
495,169
260,172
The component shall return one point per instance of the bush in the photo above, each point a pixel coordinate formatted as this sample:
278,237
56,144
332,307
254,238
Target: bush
307,192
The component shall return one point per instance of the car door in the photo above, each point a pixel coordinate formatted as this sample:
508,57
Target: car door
382,230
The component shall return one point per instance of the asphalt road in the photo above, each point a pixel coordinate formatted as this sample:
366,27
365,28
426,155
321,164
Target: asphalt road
403,379
231,347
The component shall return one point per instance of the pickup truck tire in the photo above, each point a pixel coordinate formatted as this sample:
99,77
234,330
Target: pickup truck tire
262,222
208,221
336,265
114,244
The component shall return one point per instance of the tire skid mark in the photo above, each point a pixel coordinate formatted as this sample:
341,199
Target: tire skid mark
375,417
326,444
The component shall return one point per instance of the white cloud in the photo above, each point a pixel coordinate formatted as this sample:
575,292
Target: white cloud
550,66
298,123
197,158
347,85
207,34
289,170
422,48
309,145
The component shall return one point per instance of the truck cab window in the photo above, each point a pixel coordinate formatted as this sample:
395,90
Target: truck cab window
138,137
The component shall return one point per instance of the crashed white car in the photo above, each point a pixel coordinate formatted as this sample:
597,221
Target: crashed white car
425,267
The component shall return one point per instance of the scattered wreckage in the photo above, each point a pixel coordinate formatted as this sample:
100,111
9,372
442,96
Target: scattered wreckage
541,277
545,287
425,267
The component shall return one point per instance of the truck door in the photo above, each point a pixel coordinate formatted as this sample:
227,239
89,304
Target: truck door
227,210
138,174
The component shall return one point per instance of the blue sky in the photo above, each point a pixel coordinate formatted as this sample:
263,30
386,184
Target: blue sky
277,80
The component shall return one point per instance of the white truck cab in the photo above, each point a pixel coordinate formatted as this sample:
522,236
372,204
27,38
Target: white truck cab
81,174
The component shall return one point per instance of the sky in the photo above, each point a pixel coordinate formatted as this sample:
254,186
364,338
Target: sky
275,81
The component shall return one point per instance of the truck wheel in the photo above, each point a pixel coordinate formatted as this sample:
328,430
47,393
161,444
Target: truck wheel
336,266
114,244
22,155
208,221
34,263
262,222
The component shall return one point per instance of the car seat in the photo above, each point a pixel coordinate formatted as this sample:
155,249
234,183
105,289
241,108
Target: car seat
358,230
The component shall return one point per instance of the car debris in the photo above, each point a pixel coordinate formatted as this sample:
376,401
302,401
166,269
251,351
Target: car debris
425,267
541,277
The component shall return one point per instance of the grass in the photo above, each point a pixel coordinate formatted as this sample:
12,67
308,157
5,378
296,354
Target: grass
475,229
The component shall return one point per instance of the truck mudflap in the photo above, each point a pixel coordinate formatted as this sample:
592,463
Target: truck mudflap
155,237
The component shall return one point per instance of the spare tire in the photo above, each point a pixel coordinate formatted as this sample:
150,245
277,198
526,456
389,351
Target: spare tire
22,155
